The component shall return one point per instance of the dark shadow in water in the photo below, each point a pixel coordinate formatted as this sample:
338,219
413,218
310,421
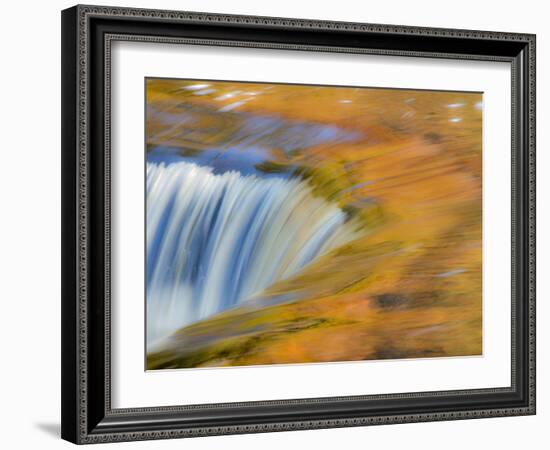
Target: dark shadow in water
53,429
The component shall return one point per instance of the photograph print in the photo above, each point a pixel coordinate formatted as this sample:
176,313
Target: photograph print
296,224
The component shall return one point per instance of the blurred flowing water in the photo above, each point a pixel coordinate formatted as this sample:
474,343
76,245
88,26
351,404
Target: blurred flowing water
217,240
293,223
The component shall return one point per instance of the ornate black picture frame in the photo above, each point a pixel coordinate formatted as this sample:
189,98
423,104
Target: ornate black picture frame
87,34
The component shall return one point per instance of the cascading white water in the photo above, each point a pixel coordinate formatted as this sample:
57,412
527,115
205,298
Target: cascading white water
215,241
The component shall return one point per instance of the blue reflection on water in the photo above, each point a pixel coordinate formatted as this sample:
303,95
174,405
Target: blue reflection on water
243,159
246,146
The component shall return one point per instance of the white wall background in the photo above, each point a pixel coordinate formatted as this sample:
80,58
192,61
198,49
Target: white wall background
30,223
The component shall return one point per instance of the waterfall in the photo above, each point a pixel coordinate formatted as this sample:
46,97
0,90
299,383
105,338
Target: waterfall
217,240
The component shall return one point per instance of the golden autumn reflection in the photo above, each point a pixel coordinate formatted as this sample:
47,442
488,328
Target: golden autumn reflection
297,223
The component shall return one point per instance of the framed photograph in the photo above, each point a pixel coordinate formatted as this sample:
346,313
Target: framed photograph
281,224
